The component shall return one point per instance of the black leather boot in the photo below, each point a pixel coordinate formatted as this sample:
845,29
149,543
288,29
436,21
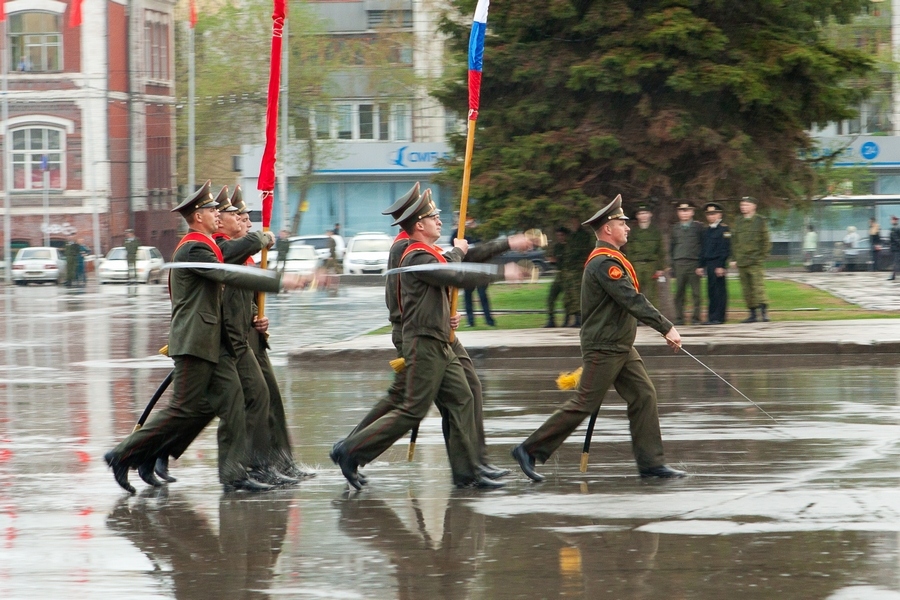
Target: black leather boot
751,318
551,321
764,314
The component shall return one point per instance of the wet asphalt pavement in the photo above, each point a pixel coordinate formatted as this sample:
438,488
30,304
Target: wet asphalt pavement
804,507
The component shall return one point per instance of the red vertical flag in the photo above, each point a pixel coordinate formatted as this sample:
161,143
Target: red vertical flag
75,13
266,180
192,13
2,10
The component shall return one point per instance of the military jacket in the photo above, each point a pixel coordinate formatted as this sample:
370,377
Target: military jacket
131,248
196,327
645,246
611,307
685,241
238,306
716,247
750,242
282,245
425,298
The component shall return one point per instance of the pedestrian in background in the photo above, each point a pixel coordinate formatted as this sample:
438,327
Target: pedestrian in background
645,251
71,252
874,242
482,289
557,258
750,247
851,249
282,247
810,247
686,240
578,248
714,262
895,246
131,249
80,271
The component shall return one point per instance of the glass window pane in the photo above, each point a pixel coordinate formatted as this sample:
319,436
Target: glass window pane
53,140
401,122
366,122
37,139
345,121
19,176
19,139
323,122
384,126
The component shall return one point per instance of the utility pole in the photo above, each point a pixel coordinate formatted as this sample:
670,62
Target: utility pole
283,201
7,246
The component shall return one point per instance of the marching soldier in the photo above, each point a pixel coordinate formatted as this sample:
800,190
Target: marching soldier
434,372
750,247
685,241
645,251
714,262
612,304
203,384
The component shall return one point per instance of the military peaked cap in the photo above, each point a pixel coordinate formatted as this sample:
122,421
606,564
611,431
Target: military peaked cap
224,203
713,207
399,207
237,201
684,205
202,198
610,212
750,199
421,208
643,208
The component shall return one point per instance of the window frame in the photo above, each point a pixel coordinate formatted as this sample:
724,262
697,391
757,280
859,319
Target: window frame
29,164
384,129
22,48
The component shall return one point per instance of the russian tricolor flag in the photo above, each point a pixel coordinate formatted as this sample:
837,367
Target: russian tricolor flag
476,56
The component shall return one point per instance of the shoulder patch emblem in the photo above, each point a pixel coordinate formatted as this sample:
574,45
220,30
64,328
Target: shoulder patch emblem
615,272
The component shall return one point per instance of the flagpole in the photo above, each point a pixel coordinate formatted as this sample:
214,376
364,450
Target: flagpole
191,150
7,245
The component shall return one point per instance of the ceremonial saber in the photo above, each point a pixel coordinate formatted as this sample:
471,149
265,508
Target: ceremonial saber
266,181
255,271
702,364
585,452
156,396
452,266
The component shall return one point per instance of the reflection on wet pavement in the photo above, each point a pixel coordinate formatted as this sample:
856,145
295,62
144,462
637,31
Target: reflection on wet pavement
808,507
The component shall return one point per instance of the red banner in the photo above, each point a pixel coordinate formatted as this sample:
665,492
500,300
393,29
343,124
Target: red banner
266,181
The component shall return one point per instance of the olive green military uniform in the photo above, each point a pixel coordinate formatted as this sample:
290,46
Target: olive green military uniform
434,373
557,288
205,382
132,244
282,247
396,391
645,251
750,247
685,244
71,252
611,308
578,248
281,454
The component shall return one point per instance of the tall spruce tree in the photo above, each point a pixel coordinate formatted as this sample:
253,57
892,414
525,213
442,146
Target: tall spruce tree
653,99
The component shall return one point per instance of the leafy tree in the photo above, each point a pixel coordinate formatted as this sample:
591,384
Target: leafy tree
656,100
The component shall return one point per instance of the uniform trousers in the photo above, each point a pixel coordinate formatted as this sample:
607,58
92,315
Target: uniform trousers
433,374
201,390
625,371
649,286
717,291
281,455
556,289
753,285
685,277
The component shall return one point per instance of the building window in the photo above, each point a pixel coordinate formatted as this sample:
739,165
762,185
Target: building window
390,18
363,121
37,150
35,39
344,118
401,121
323,122
156,46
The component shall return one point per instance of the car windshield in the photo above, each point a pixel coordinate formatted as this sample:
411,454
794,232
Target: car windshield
117,254
372,245
317,243
35,254
301,253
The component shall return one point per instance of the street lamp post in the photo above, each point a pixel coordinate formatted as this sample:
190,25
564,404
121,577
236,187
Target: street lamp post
45,165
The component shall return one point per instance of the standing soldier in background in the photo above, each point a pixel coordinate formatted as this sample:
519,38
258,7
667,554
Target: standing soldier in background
645,251
750,247
895,247
713,263
557,258
71,252
282,246
131,248
684,252
578,248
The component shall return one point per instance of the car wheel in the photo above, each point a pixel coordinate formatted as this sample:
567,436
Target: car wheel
22,283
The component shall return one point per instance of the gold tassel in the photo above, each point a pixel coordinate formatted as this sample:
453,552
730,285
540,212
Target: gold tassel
398,364
569,381
164,350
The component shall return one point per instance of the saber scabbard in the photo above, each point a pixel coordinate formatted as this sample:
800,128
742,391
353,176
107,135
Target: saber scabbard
156,396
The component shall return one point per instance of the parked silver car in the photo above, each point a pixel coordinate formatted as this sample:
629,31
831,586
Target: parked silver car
40,264
115,267
367,253
301,259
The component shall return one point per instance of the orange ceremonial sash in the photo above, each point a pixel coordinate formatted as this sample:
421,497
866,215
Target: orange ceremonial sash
619,257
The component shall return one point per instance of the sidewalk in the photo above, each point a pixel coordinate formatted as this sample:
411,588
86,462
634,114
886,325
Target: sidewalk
839,342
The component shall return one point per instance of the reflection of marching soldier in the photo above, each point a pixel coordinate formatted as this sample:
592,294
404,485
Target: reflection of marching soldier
612,304
714,261
645,251
685,241
203,385
750,247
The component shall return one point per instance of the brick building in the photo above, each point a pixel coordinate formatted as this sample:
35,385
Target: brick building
92,113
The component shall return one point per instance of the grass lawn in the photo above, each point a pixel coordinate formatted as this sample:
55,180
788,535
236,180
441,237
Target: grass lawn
788,301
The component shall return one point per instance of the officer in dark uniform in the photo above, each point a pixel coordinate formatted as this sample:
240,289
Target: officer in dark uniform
612,304
645,251
434,371
204,385
714,263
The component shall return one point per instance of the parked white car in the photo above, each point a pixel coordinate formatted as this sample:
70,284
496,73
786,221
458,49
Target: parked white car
367,253
115,267
301,259
321,244
39,264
